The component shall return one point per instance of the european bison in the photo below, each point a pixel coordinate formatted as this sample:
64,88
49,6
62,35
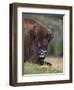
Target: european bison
36,39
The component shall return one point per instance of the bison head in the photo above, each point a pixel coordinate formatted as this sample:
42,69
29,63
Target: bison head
36,40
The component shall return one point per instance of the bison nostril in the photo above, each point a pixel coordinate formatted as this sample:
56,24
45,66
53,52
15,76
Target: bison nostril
42,56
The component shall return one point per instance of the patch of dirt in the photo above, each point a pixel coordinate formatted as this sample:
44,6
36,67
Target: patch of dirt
57,63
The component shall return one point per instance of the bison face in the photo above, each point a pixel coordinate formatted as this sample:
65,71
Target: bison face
41,36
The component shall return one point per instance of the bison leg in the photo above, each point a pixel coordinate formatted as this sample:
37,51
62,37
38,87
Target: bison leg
47,63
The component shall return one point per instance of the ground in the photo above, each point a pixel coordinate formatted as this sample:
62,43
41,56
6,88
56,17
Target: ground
57,63
57,66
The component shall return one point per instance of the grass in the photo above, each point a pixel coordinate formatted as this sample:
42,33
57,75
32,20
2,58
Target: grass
30,68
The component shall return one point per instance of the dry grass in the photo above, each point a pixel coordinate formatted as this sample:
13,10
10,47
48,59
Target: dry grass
57,63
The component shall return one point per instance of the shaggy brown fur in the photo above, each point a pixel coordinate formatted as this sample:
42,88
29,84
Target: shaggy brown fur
36,38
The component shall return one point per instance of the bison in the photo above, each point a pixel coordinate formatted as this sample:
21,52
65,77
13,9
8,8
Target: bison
36,39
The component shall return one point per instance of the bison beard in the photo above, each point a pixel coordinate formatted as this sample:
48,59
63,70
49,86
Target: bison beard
36,39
